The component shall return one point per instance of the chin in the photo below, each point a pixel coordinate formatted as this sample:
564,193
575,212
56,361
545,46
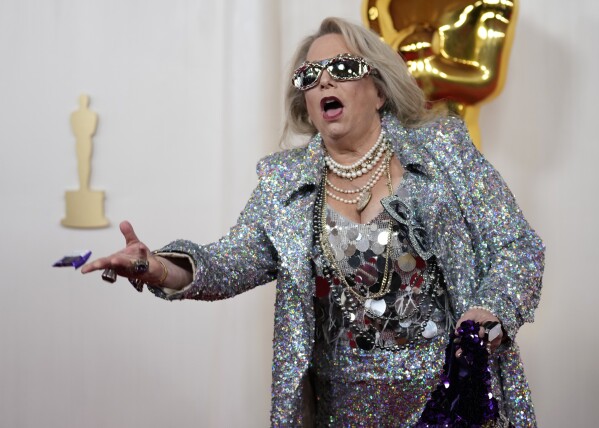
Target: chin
333,133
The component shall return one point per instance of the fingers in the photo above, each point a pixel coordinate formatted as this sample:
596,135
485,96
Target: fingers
95,265
483,316
477,315
128,232
122,260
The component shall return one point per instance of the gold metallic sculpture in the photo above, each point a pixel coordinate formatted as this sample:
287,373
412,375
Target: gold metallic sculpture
457,50
85,207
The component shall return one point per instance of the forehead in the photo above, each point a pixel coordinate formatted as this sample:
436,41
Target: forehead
327,46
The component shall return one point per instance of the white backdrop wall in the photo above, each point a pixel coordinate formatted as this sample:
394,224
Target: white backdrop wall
189,97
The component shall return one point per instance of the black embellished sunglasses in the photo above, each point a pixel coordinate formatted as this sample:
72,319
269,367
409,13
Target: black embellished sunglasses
342,67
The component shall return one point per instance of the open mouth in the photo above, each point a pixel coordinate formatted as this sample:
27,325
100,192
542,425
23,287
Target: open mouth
331,107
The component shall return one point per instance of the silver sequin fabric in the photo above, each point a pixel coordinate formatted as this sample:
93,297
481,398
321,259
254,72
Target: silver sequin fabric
378,387
415,305
488,253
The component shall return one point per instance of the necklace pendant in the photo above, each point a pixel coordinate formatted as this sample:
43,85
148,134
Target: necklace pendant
363,200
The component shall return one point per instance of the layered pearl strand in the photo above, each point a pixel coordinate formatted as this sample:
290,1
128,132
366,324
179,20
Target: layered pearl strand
361,166
361,191
324,242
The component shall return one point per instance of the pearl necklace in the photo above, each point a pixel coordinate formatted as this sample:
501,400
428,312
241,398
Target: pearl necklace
364,193
362,165
326,248
376,175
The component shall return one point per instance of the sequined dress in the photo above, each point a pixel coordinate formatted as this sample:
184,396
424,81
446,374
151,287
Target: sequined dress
376,359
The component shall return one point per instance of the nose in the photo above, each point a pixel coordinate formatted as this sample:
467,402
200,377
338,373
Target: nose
326,80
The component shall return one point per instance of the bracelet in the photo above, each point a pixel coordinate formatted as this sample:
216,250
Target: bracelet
164,273
138,284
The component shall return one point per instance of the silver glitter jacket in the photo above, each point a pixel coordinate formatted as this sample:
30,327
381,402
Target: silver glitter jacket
488,253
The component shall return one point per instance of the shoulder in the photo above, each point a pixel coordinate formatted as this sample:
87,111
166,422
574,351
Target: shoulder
436,145
294,166
447,142
446,130
279,162
288,171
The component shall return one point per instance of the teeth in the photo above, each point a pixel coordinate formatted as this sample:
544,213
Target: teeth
331,102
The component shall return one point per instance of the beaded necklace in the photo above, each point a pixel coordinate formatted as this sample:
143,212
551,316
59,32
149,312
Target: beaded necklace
364,193
362,165
328,252
354,304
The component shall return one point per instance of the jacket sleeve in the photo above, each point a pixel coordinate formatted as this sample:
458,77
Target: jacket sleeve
508,254
239,261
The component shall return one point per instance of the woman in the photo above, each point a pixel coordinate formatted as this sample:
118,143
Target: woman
366,299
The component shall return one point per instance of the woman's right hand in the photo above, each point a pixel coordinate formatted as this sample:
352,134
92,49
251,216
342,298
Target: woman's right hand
124,262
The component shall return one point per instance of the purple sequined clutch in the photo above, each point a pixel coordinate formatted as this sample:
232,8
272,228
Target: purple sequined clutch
463,398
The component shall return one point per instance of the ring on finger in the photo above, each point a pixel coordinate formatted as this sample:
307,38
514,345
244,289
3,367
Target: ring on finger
109,275
492,330
137,283
140,266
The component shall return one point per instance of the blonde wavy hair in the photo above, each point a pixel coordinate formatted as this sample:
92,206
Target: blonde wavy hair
404,98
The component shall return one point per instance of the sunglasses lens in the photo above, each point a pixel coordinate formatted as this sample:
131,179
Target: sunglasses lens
306,77
340,68
348,69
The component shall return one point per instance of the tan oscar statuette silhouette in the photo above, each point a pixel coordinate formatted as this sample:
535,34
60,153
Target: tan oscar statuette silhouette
85,207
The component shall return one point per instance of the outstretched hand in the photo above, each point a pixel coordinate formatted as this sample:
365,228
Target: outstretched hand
123,261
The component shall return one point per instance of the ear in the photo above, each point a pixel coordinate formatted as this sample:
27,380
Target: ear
382,99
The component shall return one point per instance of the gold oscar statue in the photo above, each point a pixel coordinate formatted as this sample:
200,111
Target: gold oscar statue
457,50
85,207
